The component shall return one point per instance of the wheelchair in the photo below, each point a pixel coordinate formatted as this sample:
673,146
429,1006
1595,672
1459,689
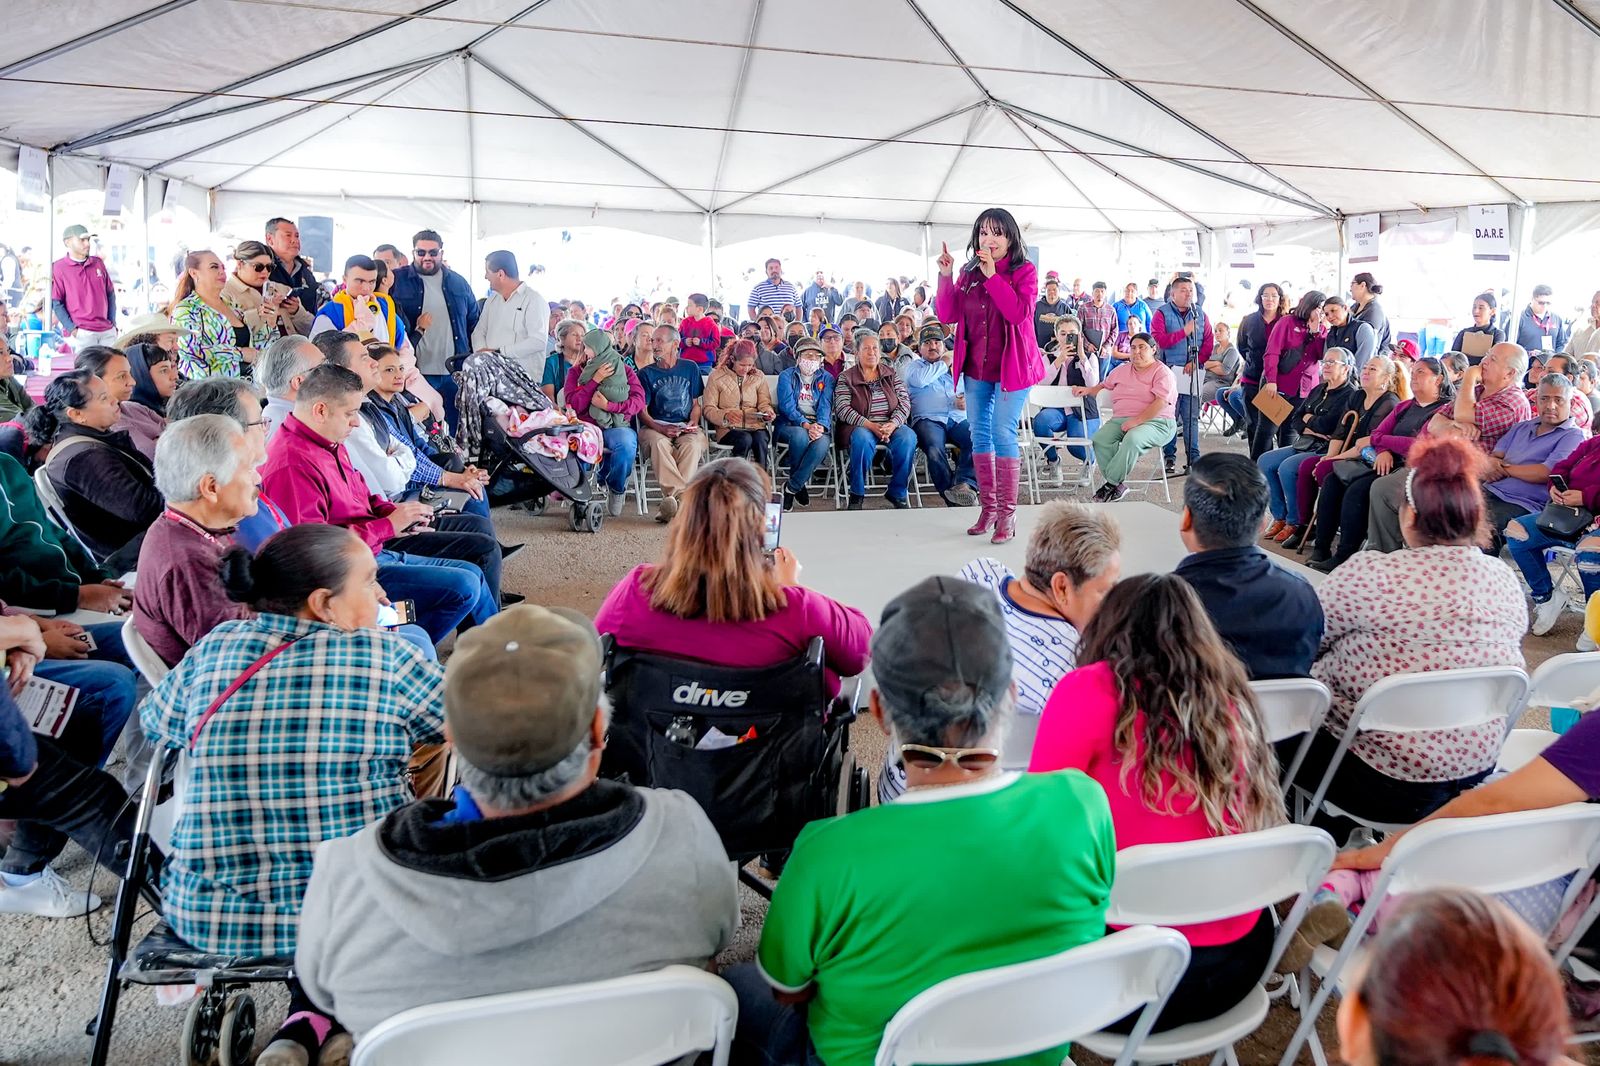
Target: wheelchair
763,751
220,1026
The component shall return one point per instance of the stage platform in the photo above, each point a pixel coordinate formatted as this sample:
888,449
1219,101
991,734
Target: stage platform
866,558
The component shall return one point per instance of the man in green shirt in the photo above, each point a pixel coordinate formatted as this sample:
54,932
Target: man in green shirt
973,868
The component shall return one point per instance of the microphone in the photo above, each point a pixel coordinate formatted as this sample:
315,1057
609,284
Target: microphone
971,267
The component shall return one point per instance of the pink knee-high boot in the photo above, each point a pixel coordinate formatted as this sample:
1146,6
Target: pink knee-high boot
983,467
1007,475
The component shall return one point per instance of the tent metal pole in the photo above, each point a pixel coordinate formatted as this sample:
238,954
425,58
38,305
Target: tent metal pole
745,59
472,162
711,261
319,132
370,83
1063,174
1344,253
581,128
249,105
1018,109
855,152
928,23
92,36
111,131
50,229
1524,252
1153,102
927,249
1377,97
955,161
144,282
1578,13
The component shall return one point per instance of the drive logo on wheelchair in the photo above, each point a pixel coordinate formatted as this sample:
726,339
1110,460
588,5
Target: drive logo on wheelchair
693,693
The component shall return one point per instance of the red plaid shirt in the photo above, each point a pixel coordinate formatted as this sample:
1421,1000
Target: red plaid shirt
1103,319
1495,414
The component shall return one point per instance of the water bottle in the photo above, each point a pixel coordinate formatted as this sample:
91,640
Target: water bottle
681,731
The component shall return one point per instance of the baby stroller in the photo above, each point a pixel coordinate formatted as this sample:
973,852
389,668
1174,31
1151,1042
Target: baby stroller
220,1026
521,469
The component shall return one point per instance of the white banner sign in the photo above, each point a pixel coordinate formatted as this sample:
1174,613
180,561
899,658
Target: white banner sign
1191,247
1241,248
119,184
33,179
1361,238
1491,231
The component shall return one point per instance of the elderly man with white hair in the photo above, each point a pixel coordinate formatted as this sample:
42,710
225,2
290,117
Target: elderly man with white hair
281,368
206,471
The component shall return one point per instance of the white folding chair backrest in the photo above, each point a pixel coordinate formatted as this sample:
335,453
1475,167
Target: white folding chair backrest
1443,699
55,508
1224,877
640,1020
1561,680
1042,397
772,387
151,666
1292,707
1016,1010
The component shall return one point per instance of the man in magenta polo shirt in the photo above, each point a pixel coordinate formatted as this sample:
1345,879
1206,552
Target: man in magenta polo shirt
82,294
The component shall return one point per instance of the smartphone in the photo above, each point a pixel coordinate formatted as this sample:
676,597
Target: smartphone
398,613
774,527
1558,483
274,290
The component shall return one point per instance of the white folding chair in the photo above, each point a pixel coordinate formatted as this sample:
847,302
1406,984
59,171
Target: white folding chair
1158,478
1562,562
151,666
646,489
1523,746
1032,1006
57,510
1292,707
639,1020
1040,398
1562,680
1493,854
1204,881
1422,703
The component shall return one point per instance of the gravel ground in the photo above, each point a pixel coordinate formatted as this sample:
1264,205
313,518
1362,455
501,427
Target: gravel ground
50,971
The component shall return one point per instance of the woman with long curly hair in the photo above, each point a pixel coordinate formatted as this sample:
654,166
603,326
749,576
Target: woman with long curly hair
1160,712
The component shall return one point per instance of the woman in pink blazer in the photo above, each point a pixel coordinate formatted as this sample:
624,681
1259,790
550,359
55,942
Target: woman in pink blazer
991,306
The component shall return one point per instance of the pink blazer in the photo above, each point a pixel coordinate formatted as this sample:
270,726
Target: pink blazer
1014,293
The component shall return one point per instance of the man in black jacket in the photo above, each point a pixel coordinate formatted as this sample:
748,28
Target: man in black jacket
288,268
1269,616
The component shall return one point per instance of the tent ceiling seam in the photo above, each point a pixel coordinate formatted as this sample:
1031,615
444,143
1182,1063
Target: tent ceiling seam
1394,109
1165,109
972,127
1582,16
92,36
746,60
581,128
943,43
1066,178
110,132
854,152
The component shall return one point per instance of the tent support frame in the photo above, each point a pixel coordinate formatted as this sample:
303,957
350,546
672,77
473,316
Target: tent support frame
1057,168
92,36
745,60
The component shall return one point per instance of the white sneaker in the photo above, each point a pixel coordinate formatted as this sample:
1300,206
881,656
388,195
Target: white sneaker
1547,614
1586,642
1052,472
47,896
615,503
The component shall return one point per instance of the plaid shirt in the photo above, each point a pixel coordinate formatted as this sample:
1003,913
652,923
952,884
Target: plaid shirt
1495,414
1103,319
311,748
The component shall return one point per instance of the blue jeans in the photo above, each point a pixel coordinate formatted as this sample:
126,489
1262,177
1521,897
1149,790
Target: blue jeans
932,436
994,414
864,445
446,591
622,444
106,697
1233,400
805,454
445,386
1528,554
1281,468
768,1033
1053,420
1188,415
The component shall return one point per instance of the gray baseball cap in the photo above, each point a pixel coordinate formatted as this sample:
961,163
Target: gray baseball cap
940,630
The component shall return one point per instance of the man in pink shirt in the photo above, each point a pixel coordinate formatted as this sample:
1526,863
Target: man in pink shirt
1144,397
82,294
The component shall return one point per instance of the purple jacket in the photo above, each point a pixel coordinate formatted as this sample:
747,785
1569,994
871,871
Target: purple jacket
1298,381
1014,293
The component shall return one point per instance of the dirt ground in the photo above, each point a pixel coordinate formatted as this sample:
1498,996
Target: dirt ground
51,972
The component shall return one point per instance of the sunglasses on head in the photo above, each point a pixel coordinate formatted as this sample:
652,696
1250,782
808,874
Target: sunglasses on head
972,760
425,253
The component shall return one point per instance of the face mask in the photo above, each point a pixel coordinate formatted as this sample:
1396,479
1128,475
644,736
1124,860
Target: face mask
808,366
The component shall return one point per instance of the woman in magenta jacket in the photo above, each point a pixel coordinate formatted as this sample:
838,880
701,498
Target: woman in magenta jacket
991,306
1292,365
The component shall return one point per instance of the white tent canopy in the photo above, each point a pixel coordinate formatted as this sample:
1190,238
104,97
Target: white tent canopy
896,120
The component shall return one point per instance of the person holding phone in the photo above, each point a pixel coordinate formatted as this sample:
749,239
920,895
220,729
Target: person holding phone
738,404
1072,364
996,357
257,300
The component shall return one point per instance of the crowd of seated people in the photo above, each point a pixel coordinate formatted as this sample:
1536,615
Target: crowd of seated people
275,534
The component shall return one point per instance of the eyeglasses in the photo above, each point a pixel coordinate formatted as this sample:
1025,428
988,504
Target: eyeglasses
972,760
259,268
426,253
257,422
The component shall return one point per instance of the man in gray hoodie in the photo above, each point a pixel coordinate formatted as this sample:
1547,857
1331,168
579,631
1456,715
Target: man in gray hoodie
536,873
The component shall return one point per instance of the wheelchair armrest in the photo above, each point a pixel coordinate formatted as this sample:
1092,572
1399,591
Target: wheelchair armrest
843,708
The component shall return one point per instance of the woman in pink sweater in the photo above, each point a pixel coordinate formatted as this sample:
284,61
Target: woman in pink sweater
1161,714
997,354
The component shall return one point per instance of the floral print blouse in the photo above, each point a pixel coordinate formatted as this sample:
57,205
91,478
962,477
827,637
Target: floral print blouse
1413,611
209,350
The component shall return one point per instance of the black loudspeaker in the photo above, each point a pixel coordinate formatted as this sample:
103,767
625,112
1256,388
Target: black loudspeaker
316,243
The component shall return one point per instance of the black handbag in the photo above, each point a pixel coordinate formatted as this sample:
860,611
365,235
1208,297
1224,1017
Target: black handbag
1563,522
1290,358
